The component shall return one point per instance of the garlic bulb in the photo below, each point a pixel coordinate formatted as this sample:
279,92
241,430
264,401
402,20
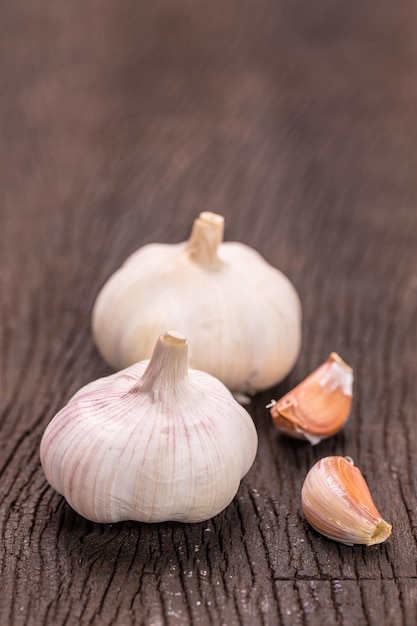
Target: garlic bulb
337,503
242,317
154,442
319,406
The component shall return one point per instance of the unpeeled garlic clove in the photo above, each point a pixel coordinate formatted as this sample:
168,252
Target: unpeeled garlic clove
319,406
337,503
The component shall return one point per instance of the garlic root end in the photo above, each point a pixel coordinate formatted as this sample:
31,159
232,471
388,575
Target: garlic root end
381,533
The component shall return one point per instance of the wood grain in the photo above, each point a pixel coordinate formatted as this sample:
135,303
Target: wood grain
119,122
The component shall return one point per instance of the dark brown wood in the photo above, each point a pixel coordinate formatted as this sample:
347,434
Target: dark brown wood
121,120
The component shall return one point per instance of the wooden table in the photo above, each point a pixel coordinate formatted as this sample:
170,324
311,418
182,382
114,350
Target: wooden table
120,121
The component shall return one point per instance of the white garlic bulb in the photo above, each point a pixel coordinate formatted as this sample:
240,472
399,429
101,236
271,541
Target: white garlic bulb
154,442
242,317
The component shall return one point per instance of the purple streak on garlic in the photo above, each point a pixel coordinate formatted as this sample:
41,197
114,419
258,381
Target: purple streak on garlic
154,442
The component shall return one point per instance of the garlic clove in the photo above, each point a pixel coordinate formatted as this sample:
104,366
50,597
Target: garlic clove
337,503
154,442
319,406
241,316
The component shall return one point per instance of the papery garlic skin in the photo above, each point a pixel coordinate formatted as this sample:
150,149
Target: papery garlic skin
319,406
242,317
152,443
337,503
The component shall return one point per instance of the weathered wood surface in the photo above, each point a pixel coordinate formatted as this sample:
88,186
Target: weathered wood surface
120,121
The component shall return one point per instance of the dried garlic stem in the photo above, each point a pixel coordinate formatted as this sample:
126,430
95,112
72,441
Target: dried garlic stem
167,367
205,238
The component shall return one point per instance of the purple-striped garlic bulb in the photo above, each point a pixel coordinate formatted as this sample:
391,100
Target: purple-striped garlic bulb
154,442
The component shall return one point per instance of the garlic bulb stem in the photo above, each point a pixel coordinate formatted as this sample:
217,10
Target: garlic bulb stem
167,367
205,238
